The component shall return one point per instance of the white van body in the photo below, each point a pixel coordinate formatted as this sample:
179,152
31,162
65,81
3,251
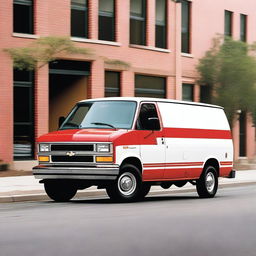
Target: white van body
192,134
167,142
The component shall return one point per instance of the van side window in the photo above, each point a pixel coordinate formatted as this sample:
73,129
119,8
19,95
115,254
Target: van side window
148,118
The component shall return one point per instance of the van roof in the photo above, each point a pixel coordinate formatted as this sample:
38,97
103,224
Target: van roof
141,99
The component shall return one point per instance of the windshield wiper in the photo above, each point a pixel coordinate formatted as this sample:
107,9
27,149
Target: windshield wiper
110,125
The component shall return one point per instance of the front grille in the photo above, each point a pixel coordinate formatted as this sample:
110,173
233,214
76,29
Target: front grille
72,159
77,147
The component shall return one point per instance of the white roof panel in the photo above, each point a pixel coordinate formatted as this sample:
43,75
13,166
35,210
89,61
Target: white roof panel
141,99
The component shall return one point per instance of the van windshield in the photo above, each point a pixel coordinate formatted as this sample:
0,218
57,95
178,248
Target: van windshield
101,115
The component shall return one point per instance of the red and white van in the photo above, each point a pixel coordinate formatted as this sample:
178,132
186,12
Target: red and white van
126,145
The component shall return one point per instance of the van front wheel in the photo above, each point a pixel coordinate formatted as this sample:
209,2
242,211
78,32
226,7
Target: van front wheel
145,188
207,185
59,191
127,187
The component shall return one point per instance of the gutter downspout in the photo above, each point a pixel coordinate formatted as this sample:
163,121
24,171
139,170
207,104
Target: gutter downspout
178,64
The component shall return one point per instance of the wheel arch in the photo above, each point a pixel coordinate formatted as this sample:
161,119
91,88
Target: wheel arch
213,162
134,161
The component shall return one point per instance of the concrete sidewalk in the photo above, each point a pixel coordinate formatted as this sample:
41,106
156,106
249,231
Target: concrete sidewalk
27,188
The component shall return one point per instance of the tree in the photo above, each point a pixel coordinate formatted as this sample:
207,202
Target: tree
47,49
43,51
229,69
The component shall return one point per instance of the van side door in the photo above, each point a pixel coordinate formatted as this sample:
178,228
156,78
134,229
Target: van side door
152,142
176,146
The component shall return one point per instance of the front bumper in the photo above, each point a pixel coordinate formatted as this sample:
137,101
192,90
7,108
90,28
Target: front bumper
107,172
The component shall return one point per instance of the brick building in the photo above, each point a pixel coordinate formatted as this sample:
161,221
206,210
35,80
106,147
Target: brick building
141,48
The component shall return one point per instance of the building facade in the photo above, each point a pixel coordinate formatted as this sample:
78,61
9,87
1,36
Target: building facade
138,48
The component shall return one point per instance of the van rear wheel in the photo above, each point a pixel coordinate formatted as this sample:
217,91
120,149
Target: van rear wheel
127,187
207,185
59,191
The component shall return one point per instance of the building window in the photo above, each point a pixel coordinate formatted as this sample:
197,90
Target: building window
160,24
79,18
228,23
112,84
23,97
188,92
107,20
138,22
23,16
205,94
185,26
243,27
150,86
242,134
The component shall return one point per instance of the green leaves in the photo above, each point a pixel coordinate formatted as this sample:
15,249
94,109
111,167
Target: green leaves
42,51
23,58
117,62
229,68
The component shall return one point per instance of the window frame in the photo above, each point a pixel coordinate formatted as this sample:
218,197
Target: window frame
205,94
143,19
230,19
30,84
108,89
113,20
138,115
243,27
85,8
192,86
158,92
157,23
31,25
186,46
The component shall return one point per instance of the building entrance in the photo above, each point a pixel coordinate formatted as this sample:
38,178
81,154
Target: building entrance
68,84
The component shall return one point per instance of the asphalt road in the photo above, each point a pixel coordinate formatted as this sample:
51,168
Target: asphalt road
170,224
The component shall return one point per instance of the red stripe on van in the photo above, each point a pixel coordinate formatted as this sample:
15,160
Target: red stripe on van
150,175
143,137
172,164
185,164
225,171
168,174
197,133
226,163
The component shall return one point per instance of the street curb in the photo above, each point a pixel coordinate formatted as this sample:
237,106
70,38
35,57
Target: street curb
44,197
82,194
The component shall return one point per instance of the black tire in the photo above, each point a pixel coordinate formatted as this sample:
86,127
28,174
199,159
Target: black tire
127,186
145,188
207,185
59,191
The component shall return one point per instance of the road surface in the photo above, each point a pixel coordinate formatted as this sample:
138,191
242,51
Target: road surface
162,225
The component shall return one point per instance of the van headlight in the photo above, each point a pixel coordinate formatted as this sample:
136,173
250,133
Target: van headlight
44,147
103,148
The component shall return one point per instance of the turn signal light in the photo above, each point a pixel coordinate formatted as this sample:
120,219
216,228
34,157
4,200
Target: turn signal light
104,159
43,158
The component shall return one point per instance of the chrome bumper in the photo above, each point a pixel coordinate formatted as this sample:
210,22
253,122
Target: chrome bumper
86,173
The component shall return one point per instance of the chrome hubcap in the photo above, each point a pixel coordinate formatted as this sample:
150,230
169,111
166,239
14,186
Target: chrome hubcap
127,183
210,182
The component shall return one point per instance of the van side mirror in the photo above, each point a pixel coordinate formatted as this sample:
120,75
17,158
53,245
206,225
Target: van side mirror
61,120
153,123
